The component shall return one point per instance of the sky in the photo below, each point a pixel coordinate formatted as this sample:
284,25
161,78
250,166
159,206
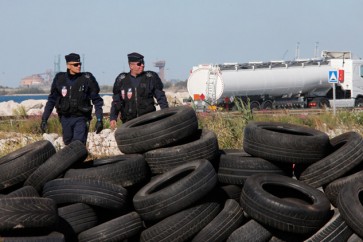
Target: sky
184,33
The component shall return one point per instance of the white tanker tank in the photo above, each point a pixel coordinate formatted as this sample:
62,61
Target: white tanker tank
267,82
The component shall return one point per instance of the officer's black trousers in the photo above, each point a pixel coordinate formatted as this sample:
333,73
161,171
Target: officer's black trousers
74,128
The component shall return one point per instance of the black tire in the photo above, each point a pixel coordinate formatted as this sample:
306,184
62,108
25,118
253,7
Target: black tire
174,190
348,153
234,169
156,129
26,191
79,216
232,192
332,189
350,206
27,213
251,231
76,151
183,225
335,230
90,191
118,229
354,238
203,144
18,165
284,203
52,237
124,170
221,227
288,143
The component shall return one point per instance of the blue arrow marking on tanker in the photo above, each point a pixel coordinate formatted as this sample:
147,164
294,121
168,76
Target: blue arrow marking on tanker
333,76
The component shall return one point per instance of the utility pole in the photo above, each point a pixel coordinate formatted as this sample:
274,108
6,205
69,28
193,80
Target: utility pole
316,49
297,53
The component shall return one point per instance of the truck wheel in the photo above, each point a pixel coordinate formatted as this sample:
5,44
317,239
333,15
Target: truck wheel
254,106
267,105
286,143
324,103
284,203
359,102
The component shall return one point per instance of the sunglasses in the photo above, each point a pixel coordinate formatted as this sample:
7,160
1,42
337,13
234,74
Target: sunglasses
76,64
140,63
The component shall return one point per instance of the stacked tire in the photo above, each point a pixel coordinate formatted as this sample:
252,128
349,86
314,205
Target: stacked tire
173,183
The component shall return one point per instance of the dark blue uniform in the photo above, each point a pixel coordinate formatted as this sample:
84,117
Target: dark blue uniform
134,96
71,95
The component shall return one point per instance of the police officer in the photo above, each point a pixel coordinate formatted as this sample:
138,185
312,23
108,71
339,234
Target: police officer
134,92
71,94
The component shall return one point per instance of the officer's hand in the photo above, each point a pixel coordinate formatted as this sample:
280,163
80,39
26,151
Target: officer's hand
113,124
99,126
43,126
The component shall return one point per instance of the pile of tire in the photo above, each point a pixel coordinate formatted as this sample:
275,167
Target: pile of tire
173,183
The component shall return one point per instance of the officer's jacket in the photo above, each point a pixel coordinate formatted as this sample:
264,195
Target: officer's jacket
132,101
71,95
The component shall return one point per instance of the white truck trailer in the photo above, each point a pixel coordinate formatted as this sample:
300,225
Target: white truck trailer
299,83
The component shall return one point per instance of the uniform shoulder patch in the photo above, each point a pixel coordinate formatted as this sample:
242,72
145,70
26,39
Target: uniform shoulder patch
121,76
87,75
149,74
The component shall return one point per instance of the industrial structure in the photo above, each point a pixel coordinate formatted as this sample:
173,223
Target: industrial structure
42,80
161,65
38,80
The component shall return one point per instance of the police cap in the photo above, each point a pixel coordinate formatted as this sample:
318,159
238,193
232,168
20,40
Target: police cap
135,57
73,57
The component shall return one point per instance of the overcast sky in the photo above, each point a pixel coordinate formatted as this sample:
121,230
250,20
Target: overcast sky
184,33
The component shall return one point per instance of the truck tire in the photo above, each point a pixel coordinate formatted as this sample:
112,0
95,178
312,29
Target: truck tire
350,206
124,170
156,129
286,143
90,191
221,227
174,190
183,225
117,229
74,152
27,213
234,169
203,144
348,153
284,203
18,165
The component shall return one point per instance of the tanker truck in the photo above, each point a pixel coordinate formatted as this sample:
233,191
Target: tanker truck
300,83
